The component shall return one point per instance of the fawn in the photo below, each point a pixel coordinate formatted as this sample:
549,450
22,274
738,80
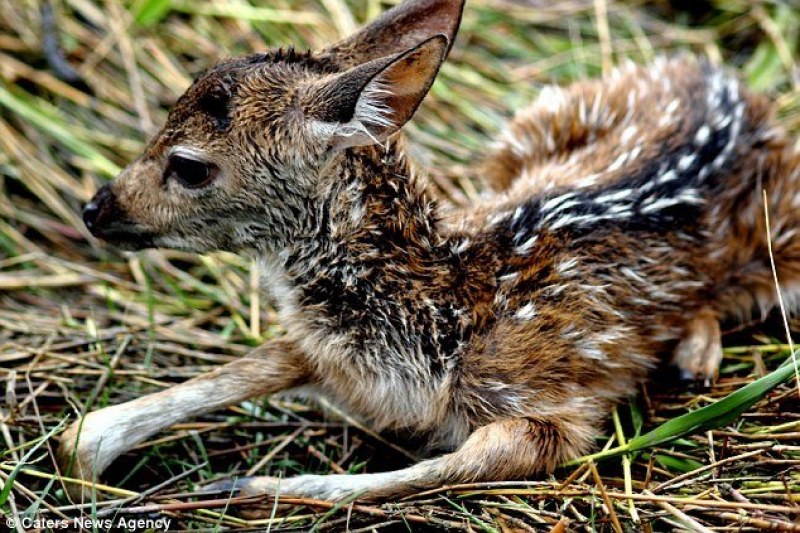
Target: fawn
626,221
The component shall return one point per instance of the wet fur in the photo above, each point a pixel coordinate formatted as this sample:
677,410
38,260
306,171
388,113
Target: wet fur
627,220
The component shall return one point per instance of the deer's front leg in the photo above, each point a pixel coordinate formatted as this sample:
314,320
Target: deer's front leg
89,445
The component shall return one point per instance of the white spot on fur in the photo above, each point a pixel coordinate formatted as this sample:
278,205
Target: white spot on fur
526,246
565,268
686,161
511,276
590,350
551,98
462,247
526,312
668,176
614,196
627,134
702,135
496,218
554,202
618,162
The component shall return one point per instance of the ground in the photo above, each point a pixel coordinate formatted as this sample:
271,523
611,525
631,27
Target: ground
82,326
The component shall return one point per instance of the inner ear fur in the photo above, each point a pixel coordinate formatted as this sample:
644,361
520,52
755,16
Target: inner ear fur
370,102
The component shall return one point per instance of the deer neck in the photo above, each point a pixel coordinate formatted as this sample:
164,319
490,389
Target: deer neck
370,210
376,267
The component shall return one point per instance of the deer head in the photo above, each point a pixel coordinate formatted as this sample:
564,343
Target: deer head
247,149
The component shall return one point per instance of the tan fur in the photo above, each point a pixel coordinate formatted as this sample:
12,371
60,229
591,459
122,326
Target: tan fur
626,222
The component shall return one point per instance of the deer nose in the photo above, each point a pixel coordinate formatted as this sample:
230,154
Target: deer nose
98,211
90,213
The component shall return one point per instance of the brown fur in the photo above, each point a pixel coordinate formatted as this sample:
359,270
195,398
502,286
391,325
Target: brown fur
627,221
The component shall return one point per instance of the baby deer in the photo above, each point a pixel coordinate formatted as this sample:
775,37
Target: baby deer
627,221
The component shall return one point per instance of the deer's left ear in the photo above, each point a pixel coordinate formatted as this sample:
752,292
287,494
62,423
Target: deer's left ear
398,29
370,102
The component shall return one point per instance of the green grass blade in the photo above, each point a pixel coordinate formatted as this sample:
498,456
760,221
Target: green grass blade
251,13
676,463
13,475
149,12
716,415
32,112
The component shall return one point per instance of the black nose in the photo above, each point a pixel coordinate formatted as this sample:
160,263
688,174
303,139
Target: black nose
99,210
90,213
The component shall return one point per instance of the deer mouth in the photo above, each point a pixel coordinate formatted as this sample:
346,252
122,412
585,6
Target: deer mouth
125,236
106,220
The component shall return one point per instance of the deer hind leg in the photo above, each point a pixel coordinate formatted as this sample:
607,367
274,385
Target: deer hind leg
699,353
508,449
743,244
90,444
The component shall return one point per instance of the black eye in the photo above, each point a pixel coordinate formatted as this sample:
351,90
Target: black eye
190,173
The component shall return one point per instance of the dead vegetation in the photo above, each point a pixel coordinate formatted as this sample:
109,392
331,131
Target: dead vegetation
82,326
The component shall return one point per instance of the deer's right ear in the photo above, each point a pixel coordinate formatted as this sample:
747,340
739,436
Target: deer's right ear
404,26
370,102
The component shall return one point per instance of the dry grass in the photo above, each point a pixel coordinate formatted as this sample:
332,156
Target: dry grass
82,327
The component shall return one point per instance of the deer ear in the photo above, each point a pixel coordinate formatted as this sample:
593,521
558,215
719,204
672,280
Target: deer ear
370,102
398,29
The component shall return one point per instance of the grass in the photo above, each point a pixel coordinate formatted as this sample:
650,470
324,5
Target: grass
82,327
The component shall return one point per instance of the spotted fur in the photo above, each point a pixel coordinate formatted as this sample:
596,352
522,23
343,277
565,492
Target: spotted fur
627,221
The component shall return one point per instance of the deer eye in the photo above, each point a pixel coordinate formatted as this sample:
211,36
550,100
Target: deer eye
190,173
